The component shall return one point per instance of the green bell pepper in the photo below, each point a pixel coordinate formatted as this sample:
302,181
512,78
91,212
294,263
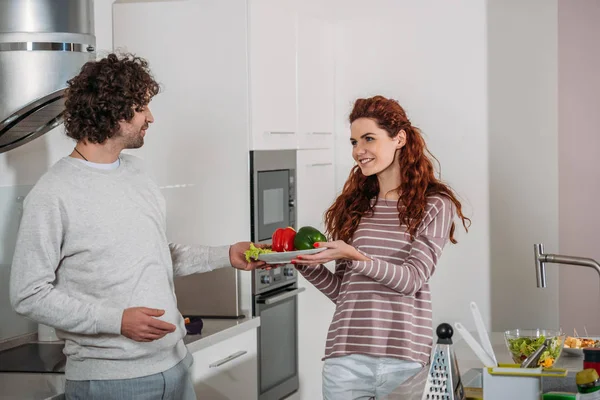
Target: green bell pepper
306,237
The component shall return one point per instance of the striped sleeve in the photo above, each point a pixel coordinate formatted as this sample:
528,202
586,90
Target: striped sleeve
410,276
329,283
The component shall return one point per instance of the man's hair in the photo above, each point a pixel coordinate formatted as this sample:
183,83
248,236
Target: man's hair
105,92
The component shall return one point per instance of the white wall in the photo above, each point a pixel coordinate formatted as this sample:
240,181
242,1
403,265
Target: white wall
431,57
22,167
578,140
522,40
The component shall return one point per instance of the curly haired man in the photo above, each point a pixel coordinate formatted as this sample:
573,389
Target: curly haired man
92,258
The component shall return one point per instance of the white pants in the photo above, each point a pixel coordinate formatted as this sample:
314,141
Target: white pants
358,376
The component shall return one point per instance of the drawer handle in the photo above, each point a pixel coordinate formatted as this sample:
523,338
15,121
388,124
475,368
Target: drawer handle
323,164
320,133
227,359
281,133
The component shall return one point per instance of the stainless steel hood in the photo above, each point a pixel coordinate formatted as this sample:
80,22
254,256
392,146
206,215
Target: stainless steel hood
43,44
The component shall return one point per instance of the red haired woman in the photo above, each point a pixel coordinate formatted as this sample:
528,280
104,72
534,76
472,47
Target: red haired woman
388,226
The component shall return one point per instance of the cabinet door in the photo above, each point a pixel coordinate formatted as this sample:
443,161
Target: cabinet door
227,370
315,194
273,74
315,83
197,51
315,180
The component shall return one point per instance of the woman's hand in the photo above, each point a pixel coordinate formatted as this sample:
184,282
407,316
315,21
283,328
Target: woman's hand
335,251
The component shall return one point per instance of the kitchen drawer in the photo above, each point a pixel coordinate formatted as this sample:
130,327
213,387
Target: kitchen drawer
222,372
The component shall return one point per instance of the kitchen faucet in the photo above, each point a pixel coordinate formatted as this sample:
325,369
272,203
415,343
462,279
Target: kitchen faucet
541,259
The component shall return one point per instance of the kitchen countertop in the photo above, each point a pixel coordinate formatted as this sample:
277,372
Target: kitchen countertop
218,330
19,385
469,366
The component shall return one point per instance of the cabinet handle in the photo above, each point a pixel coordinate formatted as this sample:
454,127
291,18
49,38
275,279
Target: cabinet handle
281,133
227,359
320,133
323,164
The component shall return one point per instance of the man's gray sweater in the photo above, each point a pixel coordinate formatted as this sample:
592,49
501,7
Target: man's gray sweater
92,243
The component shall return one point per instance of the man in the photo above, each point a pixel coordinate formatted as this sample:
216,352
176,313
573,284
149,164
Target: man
92,257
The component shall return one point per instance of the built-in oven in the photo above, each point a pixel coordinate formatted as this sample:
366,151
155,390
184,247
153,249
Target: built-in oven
278,342
274,291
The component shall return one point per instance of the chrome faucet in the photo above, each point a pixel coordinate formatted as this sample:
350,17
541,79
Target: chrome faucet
541,259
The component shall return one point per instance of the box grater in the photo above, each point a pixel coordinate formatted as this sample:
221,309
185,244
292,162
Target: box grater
443,379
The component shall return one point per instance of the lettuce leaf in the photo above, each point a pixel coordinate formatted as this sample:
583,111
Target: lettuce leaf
253,252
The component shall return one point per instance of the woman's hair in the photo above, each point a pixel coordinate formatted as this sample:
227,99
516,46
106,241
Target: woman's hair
417,177
105,92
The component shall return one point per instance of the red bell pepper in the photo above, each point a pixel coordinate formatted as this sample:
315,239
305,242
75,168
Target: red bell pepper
283,239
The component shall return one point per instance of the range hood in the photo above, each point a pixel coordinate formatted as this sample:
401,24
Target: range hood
43,44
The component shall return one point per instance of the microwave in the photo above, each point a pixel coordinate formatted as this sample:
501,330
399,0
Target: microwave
272,193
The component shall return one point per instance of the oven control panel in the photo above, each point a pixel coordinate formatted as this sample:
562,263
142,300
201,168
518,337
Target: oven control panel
265,280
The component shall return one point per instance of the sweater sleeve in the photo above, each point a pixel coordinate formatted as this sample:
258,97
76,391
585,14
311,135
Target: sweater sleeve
329,283
189,260
410,276
33,273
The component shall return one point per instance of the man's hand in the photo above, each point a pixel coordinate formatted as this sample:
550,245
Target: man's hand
140,324
238,259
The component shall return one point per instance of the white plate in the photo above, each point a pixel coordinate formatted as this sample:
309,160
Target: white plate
285,257
578,352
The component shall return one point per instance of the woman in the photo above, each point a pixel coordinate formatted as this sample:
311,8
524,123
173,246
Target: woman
388,227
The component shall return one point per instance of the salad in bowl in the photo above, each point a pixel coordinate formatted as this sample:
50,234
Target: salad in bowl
524,342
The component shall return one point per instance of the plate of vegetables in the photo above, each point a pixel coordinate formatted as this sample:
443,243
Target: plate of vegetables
523,342
287,244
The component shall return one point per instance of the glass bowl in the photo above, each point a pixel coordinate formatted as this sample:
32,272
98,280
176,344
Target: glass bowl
521,343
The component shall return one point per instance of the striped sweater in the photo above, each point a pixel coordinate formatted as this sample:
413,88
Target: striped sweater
383,306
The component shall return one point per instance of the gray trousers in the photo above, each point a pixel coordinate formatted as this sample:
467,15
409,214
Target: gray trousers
172,384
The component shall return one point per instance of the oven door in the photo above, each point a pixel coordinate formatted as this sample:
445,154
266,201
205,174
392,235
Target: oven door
277,342
273,203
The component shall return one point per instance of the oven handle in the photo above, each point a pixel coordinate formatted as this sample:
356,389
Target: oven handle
281,297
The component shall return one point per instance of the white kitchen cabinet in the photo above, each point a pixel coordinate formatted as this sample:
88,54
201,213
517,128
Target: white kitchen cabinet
316,192
197,146
315,180
315,83
315,312
272,48
227,370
